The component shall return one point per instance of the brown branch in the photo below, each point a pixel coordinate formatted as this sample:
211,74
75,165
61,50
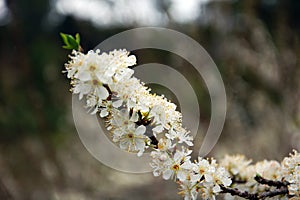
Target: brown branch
154,141
109,92
279,191
236,192
237,181
277,184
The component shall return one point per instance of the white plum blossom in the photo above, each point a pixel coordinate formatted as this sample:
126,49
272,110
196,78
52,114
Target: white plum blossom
209,177
188,190
269,169
158,113
165,144
134,139
89,73
160,161
181,135
221,177
201,168
106,109
175,169
236,165
125,132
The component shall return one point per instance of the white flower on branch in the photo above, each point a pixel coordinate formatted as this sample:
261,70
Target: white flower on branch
236,165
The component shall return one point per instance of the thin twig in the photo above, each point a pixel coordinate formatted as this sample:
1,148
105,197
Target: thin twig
279,191
277,184
238,181
236,192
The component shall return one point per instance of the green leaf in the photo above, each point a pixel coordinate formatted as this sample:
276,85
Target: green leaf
70,42
64,37
77,36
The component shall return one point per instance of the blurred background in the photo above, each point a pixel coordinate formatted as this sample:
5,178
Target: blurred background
255,44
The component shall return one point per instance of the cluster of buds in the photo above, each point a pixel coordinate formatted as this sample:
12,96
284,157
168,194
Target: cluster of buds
138,120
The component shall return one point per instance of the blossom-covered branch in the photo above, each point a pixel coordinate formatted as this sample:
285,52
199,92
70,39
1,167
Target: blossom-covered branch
139,120
263,179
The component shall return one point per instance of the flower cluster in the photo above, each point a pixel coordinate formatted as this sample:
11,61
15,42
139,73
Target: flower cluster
247,176
291,173
138,120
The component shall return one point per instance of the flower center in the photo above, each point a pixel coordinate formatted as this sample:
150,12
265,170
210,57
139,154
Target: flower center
92,68
176,167
161,146
201,171
130,135
95,82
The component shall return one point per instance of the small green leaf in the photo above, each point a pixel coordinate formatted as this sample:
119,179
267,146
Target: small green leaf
77,36
64,37
70,42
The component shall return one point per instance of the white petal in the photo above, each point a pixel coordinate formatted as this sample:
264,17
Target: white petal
130,103
140,130
181,175
117,104
140,144
196,177
189,143
167,174
102,92
187,165
102,78
124,74
124,144
131,60
84,76
177,156
217,189
156,173
158,129
208,178
226,181
104,113
71,73
82,88
110,71
134,117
